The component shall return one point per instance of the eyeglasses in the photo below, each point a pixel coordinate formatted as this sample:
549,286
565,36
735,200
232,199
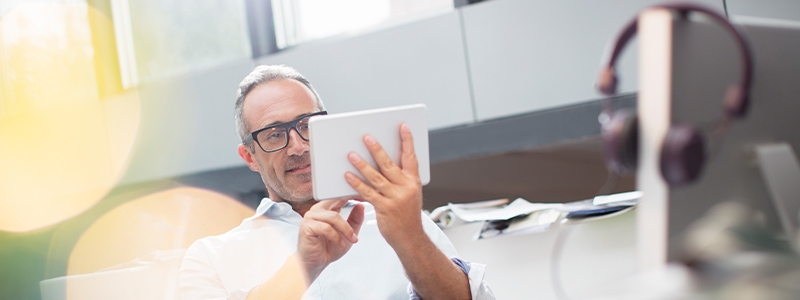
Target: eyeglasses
276,137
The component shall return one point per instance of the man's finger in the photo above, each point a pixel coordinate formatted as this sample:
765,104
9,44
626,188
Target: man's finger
375,178
387,167
334,204
335,221
408,158
366,191
356,218
326,232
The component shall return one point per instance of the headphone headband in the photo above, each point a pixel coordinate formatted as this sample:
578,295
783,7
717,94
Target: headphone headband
737,98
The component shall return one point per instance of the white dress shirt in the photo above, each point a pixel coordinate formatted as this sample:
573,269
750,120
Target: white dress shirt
229,265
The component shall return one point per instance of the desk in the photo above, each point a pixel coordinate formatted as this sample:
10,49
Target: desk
594,253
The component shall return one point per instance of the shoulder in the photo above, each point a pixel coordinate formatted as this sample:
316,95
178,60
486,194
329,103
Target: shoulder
247,235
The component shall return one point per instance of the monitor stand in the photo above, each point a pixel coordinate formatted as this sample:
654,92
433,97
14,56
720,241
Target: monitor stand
781,174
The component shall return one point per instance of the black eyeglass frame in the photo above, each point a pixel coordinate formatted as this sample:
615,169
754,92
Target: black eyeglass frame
286,125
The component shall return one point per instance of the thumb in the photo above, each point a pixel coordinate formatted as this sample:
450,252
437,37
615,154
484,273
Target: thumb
356,217
333,204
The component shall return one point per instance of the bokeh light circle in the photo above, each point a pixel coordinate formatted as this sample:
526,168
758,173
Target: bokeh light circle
64,141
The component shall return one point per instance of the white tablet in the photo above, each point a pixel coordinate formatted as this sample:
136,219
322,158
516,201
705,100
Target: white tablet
333,137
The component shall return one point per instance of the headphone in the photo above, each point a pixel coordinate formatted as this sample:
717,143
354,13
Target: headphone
683,149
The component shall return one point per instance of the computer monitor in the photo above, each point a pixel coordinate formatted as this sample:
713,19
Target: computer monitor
686,65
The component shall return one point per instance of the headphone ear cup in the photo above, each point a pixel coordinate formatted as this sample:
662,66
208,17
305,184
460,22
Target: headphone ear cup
621,141
682,155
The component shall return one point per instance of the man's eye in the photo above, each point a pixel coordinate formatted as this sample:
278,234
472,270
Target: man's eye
275,136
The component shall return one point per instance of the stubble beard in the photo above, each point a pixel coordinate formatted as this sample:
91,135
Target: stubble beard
288,187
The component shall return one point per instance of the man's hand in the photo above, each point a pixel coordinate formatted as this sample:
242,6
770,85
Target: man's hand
325,236
397,192
397,197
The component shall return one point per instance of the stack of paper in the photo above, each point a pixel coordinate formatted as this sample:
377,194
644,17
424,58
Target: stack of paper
500,217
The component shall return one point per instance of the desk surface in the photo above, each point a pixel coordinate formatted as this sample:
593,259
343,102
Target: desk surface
594,253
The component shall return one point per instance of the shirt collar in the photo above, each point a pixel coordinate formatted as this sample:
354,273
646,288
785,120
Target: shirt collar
265,205
281,210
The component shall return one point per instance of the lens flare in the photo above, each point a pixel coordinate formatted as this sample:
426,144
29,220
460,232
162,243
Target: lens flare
135,250
64,138
171,219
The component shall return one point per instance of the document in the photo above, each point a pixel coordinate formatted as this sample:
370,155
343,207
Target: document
517,208
536,221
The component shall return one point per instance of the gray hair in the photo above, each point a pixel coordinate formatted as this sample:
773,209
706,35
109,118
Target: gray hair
264,74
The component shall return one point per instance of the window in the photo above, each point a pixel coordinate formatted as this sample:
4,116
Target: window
299,21
158,38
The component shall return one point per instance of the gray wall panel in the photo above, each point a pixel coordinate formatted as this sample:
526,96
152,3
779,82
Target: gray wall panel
419,62
187,124
775,9
528,55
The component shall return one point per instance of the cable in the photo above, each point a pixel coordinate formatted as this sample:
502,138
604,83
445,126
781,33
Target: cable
561,237
555,257
611,183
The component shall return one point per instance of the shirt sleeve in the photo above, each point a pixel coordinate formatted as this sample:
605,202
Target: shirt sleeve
479,288
197,278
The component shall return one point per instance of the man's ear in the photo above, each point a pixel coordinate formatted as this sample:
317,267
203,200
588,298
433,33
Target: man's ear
247,156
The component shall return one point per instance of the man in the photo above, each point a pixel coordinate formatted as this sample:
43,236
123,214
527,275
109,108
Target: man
298,247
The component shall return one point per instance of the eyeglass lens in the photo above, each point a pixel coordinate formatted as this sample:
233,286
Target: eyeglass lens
278,137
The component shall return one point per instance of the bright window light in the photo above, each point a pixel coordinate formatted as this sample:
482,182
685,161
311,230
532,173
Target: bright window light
165,38
321,18
299,21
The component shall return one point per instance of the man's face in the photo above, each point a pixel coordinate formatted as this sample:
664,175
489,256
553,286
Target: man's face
287,172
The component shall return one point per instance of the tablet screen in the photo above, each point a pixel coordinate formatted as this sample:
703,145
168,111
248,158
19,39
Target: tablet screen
333,137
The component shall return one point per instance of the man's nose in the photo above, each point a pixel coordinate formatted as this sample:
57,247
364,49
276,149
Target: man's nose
297,145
